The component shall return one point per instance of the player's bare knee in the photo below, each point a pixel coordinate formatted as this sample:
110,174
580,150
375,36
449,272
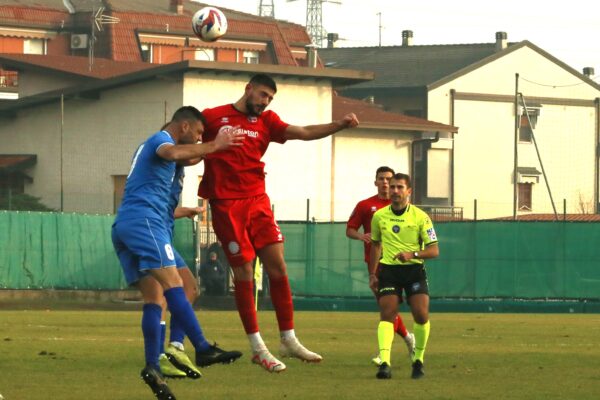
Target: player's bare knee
191,292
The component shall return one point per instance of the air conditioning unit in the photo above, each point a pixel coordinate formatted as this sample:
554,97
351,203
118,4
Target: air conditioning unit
79,41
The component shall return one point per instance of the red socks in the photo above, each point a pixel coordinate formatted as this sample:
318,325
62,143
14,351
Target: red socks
399,327
281,297
244,299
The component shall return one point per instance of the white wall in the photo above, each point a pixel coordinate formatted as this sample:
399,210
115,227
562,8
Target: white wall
485,142
297,170
358,154
99,138
31,82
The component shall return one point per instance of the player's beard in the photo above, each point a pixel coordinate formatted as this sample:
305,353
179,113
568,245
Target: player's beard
254,110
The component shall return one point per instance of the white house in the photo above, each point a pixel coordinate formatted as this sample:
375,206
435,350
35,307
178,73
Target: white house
491,168
81,138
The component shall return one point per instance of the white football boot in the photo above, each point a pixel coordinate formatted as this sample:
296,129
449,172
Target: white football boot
265,359
293,348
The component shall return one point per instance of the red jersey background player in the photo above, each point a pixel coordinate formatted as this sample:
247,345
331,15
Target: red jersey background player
361,217
243,221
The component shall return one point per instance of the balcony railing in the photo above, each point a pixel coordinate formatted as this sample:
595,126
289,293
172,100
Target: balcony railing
443,213
9,80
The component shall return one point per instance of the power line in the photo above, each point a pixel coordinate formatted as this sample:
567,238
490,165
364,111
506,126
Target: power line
559,86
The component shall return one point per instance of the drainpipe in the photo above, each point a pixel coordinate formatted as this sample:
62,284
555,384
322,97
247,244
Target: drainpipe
597,169
452,100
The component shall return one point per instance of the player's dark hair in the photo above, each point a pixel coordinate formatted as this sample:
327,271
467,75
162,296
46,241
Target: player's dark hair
383,169
265,80
403,177
188,113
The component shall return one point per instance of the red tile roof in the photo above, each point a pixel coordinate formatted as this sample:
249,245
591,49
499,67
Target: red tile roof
154,16
124,44
101,68
16,161
371,114
550,217
33,16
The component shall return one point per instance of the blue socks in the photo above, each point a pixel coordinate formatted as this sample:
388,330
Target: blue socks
163,334
182,315
151,330
177,334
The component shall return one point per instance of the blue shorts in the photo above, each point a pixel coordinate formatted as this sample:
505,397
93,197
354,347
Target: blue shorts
143,244
179,261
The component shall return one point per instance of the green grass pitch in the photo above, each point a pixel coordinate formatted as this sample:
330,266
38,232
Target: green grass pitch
91,354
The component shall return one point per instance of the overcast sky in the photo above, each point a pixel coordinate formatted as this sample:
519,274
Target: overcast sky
570,32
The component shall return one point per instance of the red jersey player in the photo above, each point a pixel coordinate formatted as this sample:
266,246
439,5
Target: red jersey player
361,216
234,183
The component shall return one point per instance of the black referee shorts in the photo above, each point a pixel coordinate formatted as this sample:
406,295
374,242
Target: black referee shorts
393,279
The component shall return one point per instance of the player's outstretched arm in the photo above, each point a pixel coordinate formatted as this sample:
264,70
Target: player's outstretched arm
187,212
183,152
313,132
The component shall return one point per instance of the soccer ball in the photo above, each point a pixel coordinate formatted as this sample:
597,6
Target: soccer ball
209,24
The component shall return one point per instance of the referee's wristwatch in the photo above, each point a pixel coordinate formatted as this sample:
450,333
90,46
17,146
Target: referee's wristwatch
416,254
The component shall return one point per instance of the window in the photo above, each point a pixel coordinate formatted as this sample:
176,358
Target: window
524,196
146,52
529,118
250,57
525,131
34,46
204,55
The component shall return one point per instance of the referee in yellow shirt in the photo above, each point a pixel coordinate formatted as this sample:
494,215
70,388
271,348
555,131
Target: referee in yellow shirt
402,236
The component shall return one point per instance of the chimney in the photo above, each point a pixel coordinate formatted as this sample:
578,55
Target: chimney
311,55
589,71
176,6
407,38
501,41
331,39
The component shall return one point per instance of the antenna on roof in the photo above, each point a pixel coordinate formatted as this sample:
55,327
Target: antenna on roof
97,21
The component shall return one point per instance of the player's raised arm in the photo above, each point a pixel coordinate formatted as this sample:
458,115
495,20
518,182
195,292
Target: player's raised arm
183,152
313,132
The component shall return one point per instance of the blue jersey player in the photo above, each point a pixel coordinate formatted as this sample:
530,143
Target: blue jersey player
173,360
142,234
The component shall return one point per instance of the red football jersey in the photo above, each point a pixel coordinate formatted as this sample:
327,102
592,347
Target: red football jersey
362,215
238,172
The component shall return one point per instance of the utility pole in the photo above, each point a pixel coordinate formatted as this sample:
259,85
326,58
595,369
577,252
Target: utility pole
314,20
380,27
266,8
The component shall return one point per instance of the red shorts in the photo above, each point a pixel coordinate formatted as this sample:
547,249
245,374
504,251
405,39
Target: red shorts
244,226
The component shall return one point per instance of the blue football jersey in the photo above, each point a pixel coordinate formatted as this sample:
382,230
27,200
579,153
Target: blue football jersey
176,189
149,183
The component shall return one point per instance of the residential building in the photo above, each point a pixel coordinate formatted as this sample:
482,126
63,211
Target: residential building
529,131
79,139
153,31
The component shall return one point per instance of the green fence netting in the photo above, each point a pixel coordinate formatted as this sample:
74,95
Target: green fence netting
529,260
40,250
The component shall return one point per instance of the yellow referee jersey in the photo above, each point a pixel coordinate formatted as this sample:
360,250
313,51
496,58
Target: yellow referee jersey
410,231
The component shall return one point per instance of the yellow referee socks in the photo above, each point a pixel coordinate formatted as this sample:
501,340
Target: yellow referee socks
385,336
421,333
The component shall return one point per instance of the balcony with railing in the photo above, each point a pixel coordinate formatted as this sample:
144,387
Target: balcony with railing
9,81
